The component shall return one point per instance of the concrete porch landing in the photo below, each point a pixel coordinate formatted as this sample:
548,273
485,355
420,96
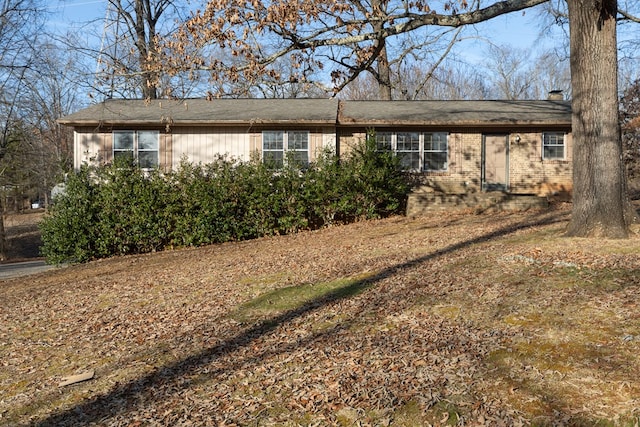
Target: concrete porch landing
420,202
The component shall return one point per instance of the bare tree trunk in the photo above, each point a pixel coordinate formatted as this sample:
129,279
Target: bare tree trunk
599,192
384,74
146,44
3,234
383,71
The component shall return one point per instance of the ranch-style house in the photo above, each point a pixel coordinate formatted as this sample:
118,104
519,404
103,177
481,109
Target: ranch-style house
451,148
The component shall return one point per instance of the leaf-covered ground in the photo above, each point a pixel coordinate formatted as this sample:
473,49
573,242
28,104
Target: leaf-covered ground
452,319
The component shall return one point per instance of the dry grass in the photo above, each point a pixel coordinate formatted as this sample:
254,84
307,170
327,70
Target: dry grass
456,319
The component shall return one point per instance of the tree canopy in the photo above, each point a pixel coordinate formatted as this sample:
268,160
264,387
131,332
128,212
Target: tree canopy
342,38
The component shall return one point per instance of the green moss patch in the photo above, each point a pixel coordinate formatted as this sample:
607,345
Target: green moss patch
294,297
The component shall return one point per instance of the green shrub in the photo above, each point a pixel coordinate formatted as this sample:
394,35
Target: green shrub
120,209
379,186
205,208
68,230
132,204
367,184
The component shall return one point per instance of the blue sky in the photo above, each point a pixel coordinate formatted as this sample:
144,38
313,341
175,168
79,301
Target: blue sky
516,29
79,9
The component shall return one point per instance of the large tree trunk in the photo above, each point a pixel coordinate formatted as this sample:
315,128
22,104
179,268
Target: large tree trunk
384,74
599,184
3,234
383,71
146,44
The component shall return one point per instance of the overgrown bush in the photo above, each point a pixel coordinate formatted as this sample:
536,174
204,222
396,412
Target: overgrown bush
69,231
120,209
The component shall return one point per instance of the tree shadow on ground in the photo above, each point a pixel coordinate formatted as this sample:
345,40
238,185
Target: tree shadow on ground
23,237
131,395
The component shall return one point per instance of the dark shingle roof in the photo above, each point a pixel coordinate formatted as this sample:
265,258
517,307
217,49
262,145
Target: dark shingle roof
322,111
203,112
459,113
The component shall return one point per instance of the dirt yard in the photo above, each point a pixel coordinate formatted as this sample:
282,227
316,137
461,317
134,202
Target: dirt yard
446,320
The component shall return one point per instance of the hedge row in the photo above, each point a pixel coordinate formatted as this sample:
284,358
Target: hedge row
119,209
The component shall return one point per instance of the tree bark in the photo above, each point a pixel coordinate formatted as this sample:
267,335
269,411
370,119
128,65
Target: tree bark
3,233
146,47
600,201
384,74
383,71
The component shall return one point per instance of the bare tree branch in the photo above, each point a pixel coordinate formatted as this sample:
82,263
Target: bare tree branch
356,32
629,16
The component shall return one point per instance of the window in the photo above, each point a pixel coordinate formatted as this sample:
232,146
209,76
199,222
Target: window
435,152
408,150
417,151
139,146
553,146
384,141
280,145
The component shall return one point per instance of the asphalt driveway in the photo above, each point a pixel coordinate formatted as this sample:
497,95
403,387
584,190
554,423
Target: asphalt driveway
25,268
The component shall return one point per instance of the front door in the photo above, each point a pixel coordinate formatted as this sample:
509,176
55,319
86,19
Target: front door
495,162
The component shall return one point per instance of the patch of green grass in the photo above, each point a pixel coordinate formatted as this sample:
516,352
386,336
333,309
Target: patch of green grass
445,413
408,415
448,311
539,236
294,297
583,421
610,279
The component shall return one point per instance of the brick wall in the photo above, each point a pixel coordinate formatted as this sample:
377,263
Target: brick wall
528,172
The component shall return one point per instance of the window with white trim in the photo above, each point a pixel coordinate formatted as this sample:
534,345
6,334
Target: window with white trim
408,150
279,146
137,146
553,146
417,151
384,141
436,151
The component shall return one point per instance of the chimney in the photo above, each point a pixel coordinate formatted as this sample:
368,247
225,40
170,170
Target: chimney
555,95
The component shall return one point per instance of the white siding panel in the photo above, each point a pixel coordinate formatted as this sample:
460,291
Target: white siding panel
329,138
203,145
77,151
87,148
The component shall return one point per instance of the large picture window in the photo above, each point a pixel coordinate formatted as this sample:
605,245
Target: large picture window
137,146
553,147
279,146
417,151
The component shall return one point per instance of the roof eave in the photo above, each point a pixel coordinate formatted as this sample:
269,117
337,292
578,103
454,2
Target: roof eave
527,123
103,123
